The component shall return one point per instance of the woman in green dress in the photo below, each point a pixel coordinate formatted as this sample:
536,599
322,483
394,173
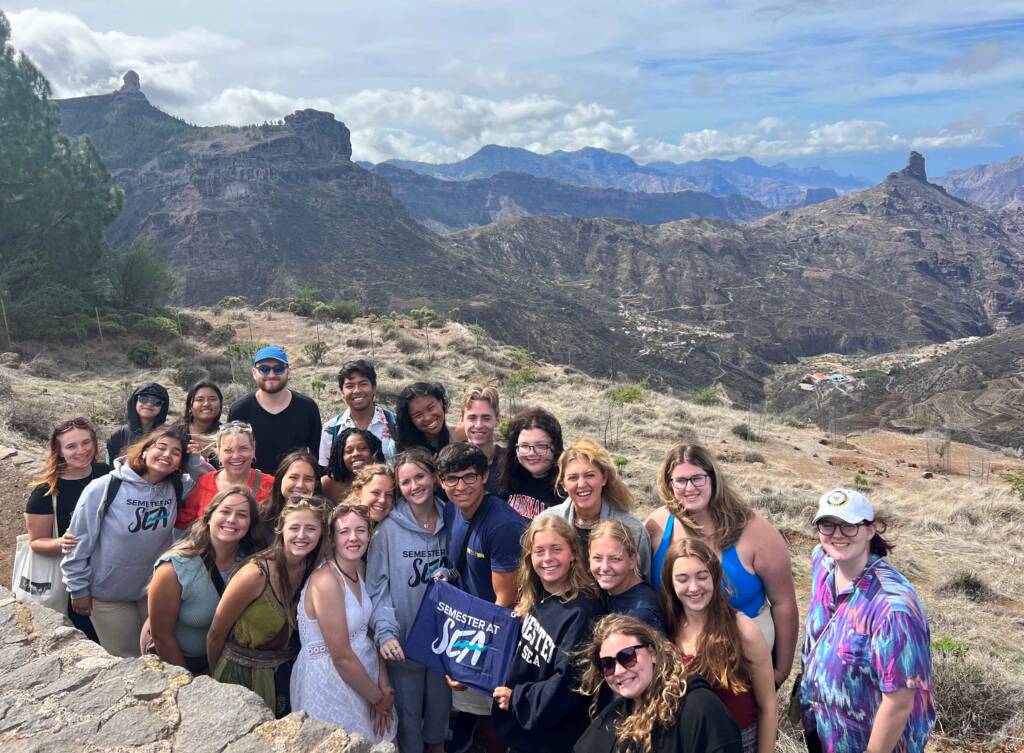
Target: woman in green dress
253,639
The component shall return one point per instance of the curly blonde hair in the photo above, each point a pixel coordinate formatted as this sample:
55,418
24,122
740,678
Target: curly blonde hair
528,582
657,707
727,508
615,491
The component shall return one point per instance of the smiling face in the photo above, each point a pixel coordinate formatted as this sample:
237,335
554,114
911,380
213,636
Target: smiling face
534,451
682,480
356,453
206,405
230,521
611,567
300,533
480,420
236,454
162,458
465,489
551,557
692,583
351,537
358,392
148,407
843,548
427,415
415,483
77,448
378,494
632,682
299,479
584,482
276,377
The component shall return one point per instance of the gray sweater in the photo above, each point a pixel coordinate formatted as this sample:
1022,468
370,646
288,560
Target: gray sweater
401,559
640,535
114,556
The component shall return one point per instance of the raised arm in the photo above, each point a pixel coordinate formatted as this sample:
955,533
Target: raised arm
772,565
759,666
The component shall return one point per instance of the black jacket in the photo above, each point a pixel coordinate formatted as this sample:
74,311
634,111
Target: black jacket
703,725
132,431
545,713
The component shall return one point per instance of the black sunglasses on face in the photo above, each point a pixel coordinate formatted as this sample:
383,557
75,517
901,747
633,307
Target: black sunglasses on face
626,658
149,400
279,369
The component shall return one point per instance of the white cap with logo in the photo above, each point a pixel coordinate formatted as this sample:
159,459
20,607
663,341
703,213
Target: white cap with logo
846,505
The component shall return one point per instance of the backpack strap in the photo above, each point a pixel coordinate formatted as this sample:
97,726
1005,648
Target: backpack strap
110,492
179,488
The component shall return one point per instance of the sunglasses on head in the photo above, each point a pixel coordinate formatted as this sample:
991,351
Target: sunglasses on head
312,501
72,423
279,369
626,658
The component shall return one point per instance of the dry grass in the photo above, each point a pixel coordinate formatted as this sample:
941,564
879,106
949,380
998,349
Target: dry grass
940,526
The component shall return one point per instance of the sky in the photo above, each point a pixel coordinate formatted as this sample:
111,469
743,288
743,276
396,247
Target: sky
842,85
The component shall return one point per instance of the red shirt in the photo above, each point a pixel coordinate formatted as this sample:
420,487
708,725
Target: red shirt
195,504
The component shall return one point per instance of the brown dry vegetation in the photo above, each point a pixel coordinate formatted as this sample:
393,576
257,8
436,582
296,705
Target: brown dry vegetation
945,525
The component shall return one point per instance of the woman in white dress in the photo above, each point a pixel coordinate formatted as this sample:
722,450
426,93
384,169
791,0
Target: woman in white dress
337,677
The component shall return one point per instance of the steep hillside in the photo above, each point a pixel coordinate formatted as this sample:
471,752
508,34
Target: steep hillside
997,185
447,205
774,186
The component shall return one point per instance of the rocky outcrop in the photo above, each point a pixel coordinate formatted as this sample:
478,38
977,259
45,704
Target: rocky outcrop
996,185
62,693
130,83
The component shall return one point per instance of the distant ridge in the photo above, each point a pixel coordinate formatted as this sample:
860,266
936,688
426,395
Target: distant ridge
995,185
775,186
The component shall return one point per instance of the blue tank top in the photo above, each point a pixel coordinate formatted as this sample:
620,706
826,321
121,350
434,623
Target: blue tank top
746,588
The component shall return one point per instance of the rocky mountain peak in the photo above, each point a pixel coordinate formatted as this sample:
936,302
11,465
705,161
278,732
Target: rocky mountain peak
130,83
915,167
321,135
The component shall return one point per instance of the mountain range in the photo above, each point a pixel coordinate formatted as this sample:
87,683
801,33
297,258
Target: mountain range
996,185
263,210
774,186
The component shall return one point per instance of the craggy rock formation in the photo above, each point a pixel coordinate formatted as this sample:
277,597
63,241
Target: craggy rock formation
62,693
997,185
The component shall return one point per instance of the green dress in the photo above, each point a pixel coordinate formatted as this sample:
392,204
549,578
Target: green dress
261,648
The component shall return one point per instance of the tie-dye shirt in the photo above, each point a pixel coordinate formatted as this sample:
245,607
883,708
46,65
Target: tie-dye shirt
877,643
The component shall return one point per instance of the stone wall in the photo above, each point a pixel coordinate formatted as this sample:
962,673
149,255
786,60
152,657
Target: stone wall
62,693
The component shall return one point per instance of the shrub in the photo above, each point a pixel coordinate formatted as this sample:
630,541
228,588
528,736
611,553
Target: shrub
753,457
222,334
233,302
157,328
620,461
631,393
111,328
317,387
708,396
973,699
406,344
240,355
316,351
33,417
42,366
192,325
1016,482
969,584
274,304
144,353
860,481
342,311
6,390
423,316
744,432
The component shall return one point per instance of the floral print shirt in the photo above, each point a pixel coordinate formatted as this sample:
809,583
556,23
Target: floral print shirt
878,642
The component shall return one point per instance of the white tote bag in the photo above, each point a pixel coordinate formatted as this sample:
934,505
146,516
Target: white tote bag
37,577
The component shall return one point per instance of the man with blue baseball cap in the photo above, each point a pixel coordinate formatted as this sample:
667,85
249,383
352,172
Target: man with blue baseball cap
282,419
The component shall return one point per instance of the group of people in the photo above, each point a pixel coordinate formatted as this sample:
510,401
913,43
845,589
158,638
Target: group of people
291,556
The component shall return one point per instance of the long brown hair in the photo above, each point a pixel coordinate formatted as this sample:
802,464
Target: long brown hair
657,708
197,542
719,653
271,509
528,582
727,508
54,464
615,491
275,552
134,455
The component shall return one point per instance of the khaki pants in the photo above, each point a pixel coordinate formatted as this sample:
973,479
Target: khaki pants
118,624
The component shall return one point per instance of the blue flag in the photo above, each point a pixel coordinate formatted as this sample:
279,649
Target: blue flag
462,636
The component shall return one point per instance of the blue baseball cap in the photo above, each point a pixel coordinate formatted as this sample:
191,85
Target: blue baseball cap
271,353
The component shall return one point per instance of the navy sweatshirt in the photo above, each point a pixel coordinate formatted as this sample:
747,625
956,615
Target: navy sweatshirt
545,713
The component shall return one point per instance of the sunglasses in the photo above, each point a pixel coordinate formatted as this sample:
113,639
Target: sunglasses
149,400
313,501
72,423
278,370
626,658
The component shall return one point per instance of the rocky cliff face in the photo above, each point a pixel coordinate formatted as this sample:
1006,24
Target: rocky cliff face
449,205
998,185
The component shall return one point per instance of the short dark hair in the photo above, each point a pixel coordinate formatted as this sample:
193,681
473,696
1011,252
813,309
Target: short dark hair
359,366
459,456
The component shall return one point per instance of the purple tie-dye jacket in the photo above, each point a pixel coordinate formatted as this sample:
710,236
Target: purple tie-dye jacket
878,643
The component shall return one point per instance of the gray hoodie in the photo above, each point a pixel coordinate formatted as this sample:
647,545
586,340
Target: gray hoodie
401,559
114,556
640,535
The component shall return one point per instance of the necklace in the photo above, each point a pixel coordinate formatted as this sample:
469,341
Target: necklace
587,524
340,570
429,523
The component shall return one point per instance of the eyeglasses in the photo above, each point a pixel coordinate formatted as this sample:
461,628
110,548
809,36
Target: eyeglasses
278,370
467,478
541,448
626,658
149,400
698,482
828,527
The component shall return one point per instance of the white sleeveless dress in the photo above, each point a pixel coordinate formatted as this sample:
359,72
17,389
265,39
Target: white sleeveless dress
316,686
